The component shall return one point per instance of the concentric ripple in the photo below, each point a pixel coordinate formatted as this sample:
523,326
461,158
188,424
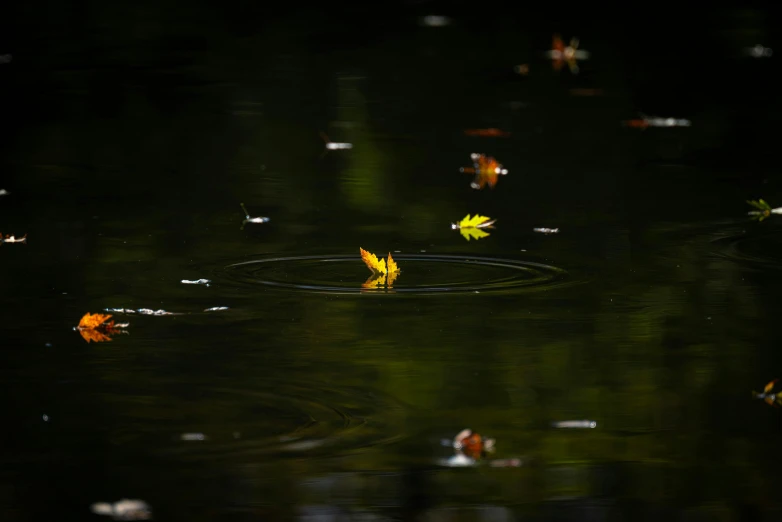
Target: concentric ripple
420,274
284,420
763,250
743,241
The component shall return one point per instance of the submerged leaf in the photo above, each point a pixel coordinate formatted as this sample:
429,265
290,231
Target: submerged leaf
372,262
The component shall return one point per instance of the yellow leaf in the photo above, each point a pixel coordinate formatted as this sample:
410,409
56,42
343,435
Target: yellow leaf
372,262
475,233
383,273
391,278
376,280
392,266
473,222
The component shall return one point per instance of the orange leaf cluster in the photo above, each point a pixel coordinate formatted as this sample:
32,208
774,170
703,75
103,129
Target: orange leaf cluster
486,170
473,444
97,327
487,133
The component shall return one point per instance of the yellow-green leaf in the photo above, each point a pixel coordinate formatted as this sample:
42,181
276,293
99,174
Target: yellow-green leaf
473,222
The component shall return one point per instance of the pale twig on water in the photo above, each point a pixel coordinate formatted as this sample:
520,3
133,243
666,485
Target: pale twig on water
125,509
13,239
196,282
331,145
250,219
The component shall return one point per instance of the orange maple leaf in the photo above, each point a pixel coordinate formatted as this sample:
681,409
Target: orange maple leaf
95,328
95,336
486,170
92,321
492,132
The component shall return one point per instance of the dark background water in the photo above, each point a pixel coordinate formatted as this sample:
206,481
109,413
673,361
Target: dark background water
132,131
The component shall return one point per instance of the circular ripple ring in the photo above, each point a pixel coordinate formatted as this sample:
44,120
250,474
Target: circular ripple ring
421,274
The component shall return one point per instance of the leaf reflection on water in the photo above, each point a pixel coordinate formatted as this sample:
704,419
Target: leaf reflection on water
125,509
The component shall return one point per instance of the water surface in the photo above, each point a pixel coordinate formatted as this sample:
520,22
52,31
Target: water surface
653,311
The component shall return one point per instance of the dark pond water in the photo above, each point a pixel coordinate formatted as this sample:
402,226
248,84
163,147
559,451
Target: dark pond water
134,132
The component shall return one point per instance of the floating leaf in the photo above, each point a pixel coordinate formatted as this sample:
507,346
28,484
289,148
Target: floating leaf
471,227
380,269
472,444
392,266
486,170
569,55
375,265
759,204
95,328
477,221
91,321
763,211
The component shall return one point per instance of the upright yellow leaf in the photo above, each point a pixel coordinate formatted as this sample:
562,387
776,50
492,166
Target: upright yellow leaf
372,262
392,266
391,278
